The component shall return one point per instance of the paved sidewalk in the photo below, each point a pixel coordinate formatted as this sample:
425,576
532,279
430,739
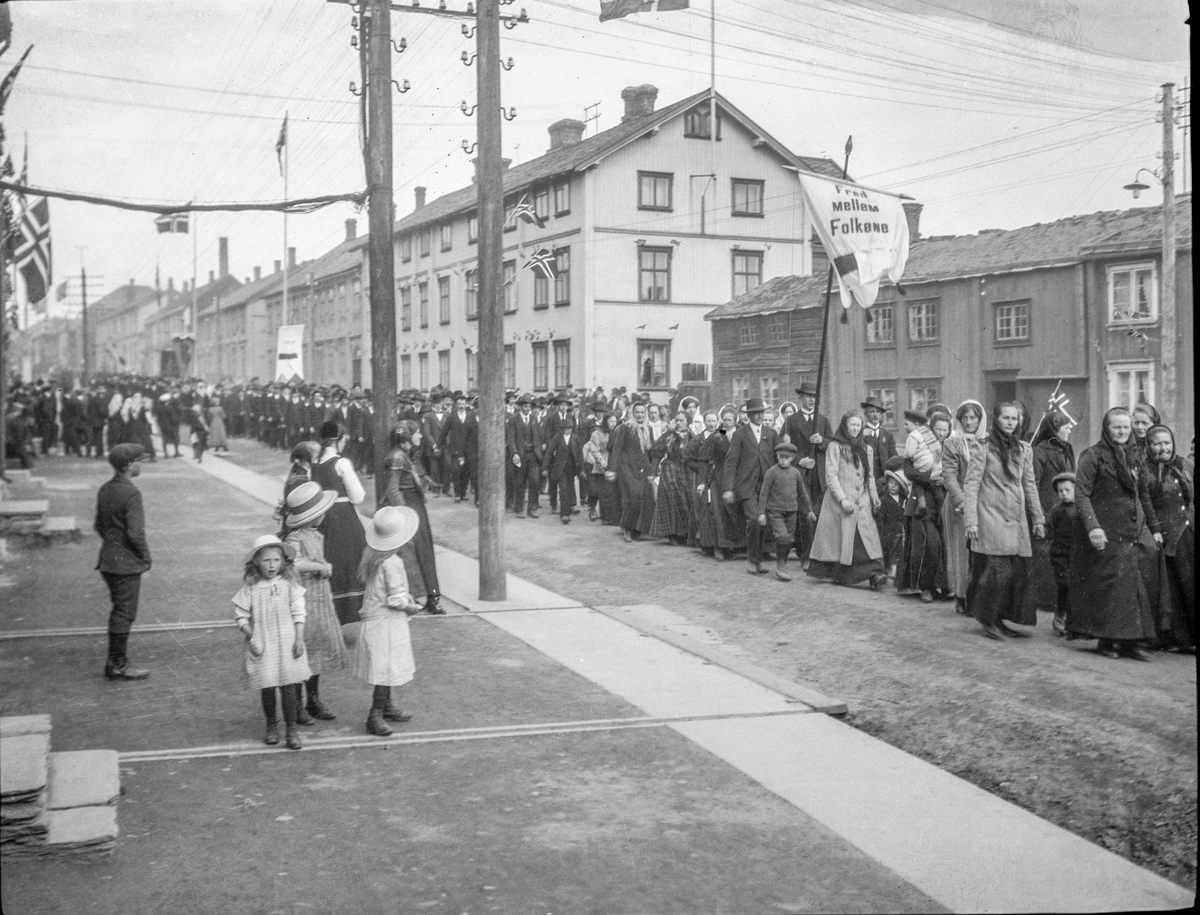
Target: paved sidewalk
961,846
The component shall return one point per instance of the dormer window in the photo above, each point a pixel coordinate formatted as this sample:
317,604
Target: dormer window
696,123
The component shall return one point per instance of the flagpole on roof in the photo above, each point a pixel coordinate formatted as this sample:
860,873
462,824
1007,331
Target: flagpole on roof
712,94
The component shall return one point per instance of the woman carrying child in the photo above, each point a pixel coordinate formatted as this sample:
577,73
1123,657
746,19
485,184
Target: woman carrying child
306,507
383,656
403,487
270,615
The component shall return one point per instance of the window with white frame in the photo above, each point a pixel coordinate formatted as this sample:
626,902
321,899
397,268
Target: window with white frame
881,329
562,198
510,365
424,240
768,387
747,197
406,248
541,203
510,287
562,363
748,332
654,190
1132,293
472,366
886,395
472,228
747,271
654,363
423,371
443,299
541,366
1012,322
740,389
923,394
472,300
777,328
654,274
562,276
406,309
447,233
923,321
423,303
1130,383
444,368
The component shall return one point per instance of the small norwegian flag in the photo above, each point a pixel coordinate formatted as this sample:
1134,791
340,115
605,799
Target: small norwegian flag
542,262
524,210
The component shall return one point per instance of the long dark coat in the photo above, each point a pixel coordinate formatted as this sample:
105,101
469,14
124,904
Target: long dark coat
631,464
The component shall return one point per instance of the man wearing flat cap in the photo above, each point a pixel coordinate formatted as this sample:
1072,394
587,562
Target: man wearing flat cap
874,434
124,554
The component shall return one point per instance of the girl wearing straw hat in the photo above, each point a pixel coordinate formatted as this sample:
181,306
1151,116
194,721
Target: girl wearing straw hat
383,656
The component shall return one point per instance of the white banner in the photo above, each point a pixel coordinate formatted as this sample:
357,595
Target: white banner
289,353
864,231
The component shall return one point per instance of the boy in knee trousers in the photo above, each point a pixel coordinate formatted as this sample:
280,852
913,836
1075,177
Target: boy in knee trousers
783,497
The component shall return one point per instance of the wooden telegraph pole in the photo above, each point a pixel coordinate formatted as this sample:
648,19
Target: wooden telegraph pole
1169,348
490,180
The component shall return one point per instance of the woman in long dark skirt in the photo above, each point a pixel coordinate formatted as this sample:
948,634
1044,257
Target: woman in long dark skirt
730,526
629,467
968,439
673,503
922,566
403,486
345,538
1117,530
1052,455
1000,491
704,522
1172,486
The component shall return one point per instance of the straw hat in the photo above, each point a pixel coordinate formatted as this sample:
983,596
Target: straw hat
265,541
392,527
308,501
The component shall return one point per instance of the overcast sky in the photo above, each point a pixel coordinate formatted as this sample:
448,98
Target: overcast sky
962,105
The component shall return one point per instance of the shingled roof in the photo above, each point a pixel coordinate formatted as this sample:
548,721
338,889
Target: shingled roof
783,293
579,156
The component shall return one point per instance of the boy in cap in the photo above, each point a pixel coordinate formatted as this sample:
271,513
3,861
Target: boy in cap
1060,527
784,496
563,463
124,554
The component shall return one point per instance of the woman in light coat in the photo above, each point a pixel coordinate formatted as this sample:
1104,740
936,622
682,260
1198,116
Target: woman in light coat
846,547
1000,490
969,438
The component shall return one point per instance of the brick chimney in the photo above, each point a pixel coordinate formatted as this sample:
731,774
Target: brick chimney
566,132
223,257
278,266
912,212
211,276
351,229
291,258
257,273
419,194
170,284
639,100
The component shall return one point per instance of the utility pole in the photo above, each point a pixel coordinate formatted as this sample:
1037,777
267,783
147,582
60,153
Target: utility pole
489,175
83,326
375,21
1169,348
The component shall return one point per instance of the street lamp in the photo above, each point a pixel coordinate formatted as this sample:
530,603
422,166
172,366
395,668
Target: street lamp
1136,187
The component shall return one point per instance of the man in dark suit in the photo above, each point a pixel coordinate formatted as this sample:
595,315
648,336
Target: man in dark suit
563,463
459,441
751,454
560,413
433,423
124,554
524,445
810,432
882,442
97,416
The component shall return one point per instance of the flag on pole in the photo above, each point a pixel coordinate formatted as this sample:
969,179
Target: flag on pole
864,231
289,353
617,9
6,87
172,222
542,262
33,249
524,210
281,143
60,291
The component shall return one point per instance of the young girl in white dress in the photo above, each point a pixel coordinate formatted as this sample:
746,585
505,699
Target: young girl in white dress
270,614
383,656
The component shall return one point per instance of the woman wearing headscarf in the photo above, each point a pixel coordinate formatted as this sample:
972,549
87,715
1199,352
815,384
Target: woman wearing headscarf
673,501
968,439
729,527
846,547
1052,455
922,566
1107,596
1172,487
403,486
629,467
1143,417
703,521
786,409
999,492
345,539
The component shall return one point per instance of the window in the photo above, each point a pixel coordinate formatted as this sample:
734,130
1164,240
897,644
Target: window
654,274
654,363
747,197
472,298
777,329
423,371
923,321
654,191
922,395
740,385
443,300
510,365
694,371
472,228
696,124
1130,383
887,397
881,329
472,363
406,308
423,303
444,368
447,232
1012,322
541,291
406,248
541,203
562,198
510,287
747,271
541,355
510,219
425,241
1132,293
562,363
748,333
406,372
562,276
768,387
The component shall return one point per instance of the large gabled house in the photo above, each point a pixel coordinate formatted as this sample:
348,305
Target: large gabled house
644,240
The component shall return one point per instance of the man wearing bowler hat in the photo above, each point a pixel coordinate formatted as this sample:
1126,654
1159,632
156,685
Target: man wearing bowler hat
460,443
524,445
751,454
124,554
810,432
876,436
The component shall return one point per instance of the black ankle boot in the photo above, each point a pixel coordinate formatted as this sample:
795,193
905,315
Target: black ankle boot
315,707
433,605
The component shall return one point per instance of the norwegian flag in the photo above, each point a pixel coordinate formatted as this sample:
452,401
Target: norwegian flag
33,249
542,262
524,210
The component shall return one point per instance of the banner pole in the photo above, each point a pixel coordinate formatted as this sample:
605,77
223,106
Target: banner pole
828,298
